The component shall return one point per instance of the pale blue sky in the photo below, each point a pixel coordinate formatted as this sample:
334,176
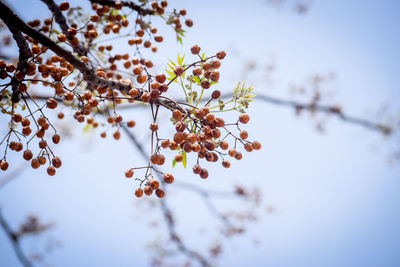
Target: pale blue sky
336,198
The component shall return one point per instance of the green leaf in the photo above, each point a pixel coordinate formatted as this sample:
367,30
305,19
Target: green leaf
184,160
196,79
171,74
179,39
236,89
180,59
87,128
173,64
173,163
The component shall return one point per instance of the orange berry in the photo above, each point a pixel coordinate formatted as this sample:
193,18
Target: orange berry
141,78
173,145
134,92
216,94
256,145
244,118
177,115
214,76
148,190
55,138
51,103
56,161
117,135
25,122
154,93
161,78
168,178
178,137
153,127
147,44
42,144
178,70
178,157
160,193
205,84
28,155
223,145
165,143
35,163
219,122
238,156
158,38
248,147
189,22
221,54
154,183
215,64
4,165
51,170
129,173
210,117
42,160
62,37
145,97
204,174
244,134
226,164
139,192
118,118
196,169
64,6
197,71
137,69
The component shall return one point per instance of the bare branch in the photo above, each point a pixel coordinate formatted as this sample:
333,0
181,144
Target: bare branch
166,212
15,242
327,109
181,246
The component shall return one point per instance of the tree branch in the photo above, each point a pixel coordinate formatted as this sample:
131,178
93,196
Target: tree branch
24,55
9,18
181,246
15,242
327,109
60,19
166,212
370,125
142,11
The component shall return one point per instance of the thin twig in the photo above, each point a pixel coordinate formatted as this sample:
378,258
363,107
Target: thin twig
15,242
